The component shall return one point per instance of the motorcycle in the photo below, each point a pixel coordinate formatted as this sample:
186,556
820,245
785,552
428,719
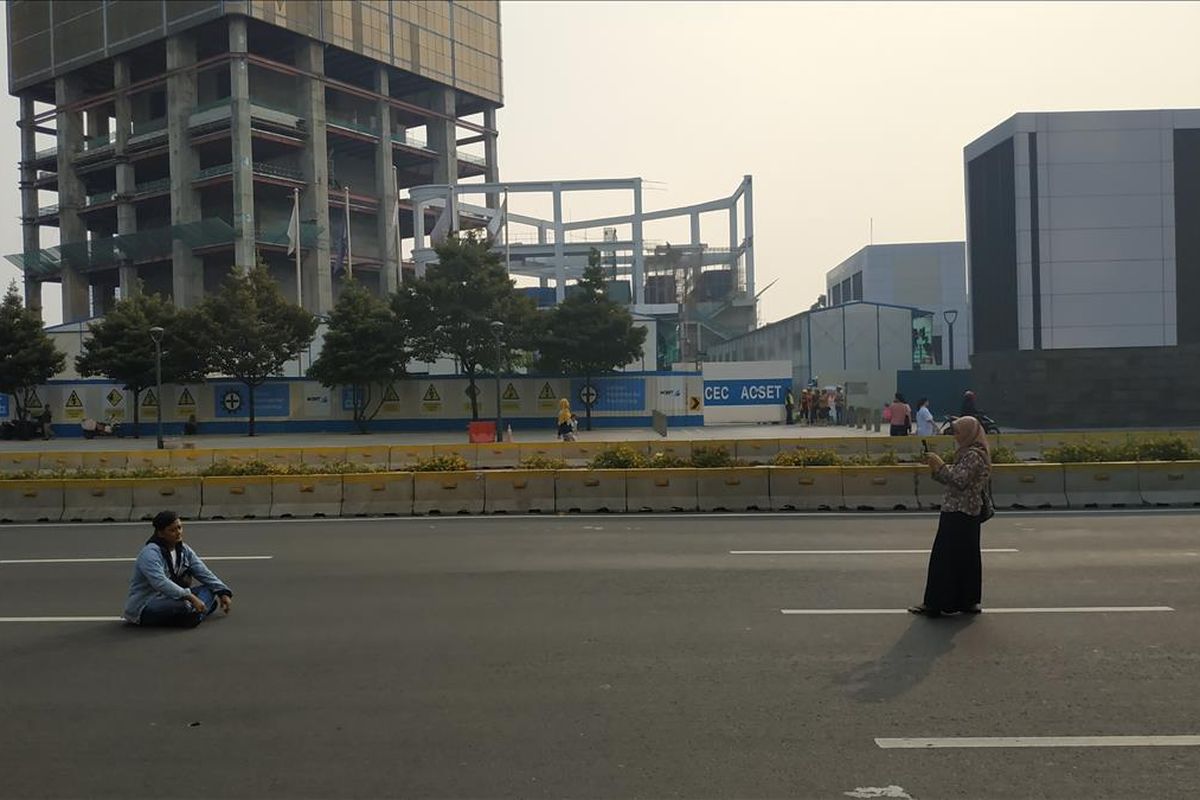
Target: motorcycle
989,424
93,428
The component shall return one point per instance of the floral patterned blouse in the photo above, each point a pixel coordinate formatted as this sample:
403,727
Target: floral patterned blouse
964,480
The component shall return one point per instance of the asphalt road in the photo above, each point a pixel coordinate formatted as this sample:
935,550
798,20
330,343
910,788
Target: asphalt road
604,656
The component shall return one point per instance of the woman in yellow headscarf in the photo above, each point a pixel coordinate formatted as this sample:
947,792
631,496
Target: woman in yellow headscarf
564,417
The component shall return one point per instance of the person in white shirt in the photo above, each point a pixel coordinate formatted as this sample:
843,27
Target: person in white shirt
925,426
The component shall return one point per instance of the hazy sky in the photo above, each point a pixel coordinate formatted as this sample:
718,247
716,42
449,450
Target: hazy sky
842,112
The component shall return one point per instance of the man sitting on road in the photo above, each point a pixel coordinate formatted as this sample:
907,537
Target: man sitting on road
161,591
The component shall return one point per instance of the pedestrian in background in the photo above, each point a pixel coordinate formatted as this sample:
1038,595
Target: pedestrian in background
925,426
955,579
901,416
789,405
839,406
564,417
805,404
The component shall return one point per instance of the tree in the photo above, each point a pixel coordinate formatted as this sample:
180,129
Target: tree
252,331
464,293
588,334
28,357
119,346
366,347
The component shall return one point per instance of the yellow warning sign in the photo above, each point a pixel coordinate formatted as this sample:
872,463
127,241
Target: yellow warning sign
114,397
390,396
510,393
32,401
73,408
547,392
149,399
546,399
391,400
431,401
185,406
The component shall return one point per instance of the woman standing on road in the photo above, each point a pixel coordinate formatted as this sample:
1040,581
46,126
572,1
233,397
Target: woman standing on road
955,579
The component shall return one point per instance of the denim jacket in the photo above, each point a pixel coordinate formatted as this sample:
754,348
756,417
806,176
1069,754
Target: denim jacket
152,578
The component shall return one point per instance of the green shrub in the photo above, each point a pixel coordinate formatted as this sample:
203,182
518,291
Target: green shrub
1167,448
1004,455
1164,448
619,457
542,462
806,458
444,463
661,460
711,457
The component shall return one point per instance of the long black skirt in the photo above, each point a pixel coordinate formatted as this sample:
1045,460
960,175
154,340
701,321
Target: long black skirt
955,580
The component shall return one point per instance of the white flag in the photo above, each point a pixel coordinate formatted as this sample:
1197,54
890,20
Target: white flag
293,232
441,228
497,222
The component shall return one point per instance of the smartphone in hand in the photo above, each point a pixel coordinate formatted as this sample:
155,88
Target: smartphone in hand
925,446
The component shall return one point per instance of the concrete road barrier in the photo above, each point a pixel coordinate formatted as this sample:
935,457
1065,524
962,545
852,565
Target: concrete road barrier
235,455
235,497
739,489
1028,486
377,494
190,460
518,491
324,456
20,461
57,460
283,456
676,448
756,451
930,493
405,456
1062,439
31,501
148,459
1169,483
448,492
97,499
805,488
376,455
105,459
497,455
540,450
152,495
880,488
306,496
1026,446
712,445
589,491
581,453
1102,485
906,448
661,489
469,452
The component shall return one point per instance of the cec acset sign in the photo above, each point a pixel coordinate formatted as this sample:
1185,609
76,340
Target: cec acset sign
746,392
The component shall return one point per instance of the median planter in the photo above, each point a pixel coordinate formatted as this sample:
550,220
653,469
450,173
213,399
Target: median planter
31,501
1113,485
98,499
734,489
151,495
589,491
236,497
377,494
1169,483
306,496
661,489
518,491
805,488
448,492
880,488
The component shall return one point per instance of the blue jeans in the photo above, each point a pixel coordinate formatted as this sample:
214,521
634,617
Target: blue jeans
165,612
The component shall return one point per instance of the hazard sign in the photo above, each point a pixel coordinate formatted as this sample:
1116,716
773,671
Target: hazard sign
547,392
114,397
73,401
32,401
431,395
149,399
185,398
73,408
185,406
390,396
510,393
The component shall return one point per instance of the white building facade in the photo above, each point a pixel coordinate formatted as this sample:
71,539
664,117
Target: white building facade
928,275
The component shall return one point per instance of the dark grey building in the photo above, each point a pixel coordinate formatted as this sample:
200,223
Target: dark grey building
1083,253
166,139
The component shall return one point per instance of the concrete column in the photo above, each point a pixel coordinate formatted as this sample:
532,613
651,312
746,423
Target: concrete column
748,200
733,228
126,214
695,229
71,230
443,136
243,158
543,281
639,248
314,198
560,268
490,151
187,271
385,188
31,239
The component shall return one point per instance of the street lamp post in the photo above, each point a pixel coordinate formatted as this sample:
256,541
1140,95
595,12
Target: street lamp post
156,333
498,331
950,316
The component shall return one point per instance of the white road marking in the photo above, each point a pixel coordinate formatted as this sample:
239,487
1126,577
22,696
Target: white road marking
893,791
1041,741
60,619
851,552
114,560
988,610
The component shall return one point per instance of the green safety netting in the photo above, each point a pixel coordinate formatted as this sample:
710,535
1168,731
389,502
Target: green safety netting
204,233
309,233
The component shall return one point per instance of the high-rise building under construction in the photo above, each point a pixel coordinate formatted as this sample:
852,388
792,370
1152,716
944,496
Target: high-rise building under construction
181,135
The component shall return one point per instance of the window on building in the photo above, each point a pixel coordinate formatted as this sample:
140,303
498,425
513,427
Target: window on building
856,286
846,291
835,292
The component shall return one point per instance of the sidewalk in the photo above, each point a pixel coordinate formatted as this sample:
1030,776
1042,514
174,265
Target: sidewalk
148,441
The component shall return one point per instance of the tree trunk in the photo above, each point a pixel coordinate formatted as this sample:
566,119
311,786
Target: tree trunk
251,390
587,407
474,396
137,423
361,400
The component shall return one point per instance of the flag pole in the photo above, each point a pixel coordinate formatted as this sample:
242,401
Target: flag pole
349,241
296,216
507,252
396,222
